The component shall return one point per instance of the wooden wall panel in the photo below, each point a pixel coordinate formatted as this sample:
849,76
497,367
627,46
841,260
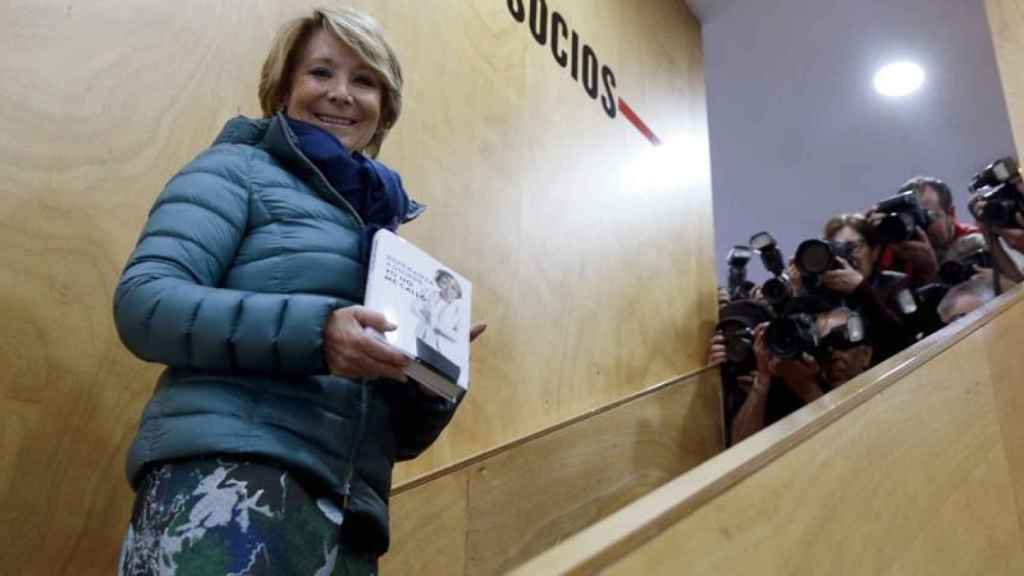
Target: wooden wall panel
1006,18
512,505
594,269
528,499
1002,349
429,528
578,246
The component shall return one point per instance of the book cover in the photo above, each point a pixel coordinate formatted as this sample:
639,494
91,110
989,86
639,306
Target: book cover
430,303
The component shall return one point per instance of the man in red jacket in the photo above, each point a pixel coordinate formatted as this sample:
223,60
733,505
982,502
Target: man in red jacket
920,256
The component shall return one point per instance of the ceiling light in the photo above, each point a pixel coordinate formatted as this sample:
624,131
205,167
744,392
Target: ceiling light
899,79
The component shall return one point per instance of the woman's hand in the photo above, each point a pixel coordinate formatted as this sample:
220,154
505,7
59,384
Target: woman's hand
476,330
842,281
353,353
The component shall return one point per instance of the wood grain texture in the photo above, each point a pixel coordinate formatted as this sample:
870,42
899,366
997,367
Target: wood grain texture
1002,349
528,499
1006,19
578,245
917,479
595,273
429,528
520,501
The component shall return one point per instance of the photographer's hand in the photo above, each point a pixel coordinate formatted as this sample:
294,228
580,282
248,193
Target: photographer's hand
842,281
801,375
716,350
920,254
751,416
765,359
1013,236
793,273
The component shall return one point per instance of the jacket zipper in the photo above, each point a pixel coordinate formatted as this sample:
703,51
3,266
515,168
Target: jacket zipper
364,397
364,409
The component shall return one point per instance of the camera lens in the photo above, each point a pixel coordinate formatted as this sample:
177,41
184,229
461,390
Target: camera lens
814,257
738,347
783,338
775,290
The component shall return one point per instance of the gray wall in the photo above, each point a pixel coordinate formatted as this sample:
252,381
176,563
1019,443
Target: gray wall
797,130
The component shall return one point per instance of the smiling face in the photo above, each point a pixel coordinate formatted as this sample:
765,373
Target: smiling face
335,89
449,289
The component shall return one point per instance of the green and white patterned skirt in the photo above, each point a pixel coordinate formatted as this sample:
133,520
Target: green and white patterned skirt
231,516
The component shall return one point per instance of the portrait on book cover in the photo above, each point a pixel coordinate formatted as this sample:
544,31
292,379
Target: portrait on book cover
439,316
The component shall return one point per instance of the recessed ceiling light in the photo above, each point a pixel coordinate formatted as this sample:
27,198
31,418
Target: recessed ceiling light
899,79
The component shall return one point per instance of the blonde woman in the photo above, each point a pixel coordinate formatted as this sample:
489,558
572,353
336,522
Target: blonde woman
268,445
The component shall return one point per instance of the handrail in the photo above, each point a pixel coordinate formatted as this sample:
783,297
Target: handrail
454,467
608,540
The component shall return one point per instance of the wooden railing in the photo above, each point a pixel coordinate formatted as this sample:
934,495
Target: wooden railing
860,481
491,513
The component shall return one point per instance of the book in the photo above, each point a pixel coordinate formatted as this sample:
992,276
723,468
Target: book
430,303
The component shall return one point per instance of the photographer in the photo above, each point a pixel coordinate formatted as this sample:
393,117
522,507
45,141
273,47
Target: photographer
776,389
964,298
936,229
783,383
996,203
732,348
937,199
865,287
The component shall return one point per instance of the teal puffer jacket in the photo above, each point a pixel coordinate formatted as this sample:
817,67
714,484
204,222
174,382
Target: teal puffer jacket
245,255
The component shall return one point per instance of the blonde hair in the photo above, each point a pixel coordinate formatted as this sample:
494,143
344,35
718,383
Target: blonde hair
360,32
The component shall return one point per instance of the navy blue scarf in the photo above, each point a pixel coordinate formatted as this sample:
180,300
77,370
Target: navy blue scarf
374,190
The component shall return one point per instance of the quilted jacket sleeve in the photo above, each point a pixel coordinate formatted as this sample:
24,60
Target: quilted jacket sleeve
168,307
418,418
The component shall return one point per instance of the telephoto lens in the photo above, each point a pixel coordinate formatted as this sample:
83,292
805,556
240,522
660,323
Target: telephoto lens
814,257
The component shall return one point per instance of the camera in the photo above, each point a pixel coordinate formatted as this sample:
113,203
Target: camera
815,257
1002,204
953,272
778,288
792,336
737,324
796,334
737,260
995,174
996,185
902,214
926,320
